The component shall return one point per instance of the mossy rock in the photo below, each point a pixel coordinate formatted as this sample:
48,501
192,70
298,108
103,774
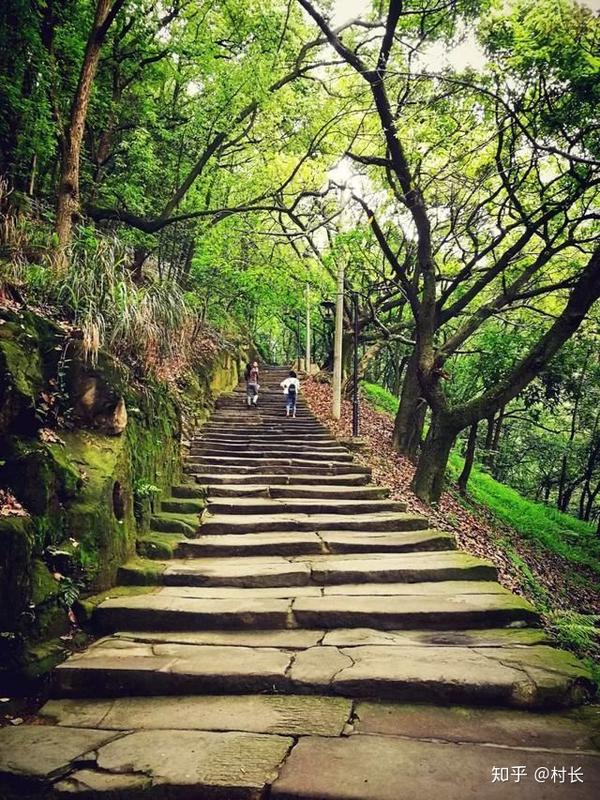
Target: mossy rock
101,517
84,607
16,547
156,546
140,572
29,352
42,476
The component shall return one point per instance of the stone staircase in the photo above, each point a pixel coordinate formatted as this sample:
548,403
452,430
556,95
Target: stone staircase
302,611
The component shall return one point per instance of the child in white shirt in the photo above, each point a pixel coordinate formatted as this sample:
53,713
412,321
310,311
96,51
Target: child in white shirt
291,389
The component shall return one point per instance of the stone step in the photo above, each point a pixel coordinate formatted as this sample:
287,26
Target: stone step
291,715
275,446
298,543
292,492
268,438
302,505
535,676
289,748
275,456
167,522
261,468
262,523
179,505
158,612
283,429
279,479
325,570
284,459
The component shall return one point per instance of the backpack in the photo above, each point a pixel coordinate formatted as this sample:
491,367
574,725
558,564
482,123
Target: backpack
292,390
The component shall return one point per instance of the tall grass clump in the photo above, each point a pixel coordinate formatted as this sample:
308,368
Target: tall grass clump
153,324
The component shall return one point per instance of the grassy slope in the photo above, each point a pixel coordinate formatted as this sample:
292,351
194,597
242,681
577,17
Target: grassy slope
560,533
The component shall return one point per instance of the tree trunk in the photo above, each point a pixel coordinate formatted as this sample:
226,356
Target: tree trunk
67,202
469,459
410,418
428,481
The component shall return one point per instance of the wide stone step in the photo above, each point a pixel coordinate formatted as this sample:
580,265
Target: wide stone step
280,479
261,523
283,543
279,455
261,468
265,450
293,437
303,505
325,570
292,492
288,748
284,459
536,676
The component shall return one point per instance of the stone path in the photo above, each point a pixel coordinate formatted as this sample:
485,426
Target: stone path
281,651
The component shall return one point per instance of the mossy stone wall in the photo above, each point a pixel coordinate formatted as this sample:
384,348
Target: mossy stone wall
78,478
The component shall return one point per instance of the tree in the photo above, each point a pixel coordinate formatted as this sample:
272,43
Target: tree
67,198
500,218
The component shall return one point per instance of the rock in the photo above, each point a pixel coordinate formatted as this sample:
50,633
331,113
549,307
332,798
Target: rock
290,715
389,768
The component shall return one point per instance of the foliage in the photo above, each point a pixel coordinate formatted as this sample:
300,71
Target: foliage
379,397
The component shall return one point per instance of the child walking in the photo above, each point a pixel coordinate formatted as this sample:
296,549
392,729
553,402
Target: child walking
291,389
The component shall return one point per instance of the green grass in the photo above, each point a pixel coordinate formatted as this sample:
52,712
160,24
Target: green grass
559,533
379,398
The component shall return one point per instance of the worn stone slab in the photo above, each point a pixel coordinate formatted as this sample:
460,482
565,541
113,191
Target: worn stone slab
295,639
341,492
388,768
29,753
317,667
495,637
417,567
410,611
376,541
251,544
168,668
304,505
260,523
208,479
235,572
227,766
161,612
292,715
225,592
425,589
526,677
509,728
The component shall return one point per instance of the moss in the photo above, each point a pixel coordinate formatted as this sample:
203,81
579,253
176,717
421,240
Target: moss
84,607
44,587
81,495
104,540
42,476
40,658
140,572
16,547
28,355
158,546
